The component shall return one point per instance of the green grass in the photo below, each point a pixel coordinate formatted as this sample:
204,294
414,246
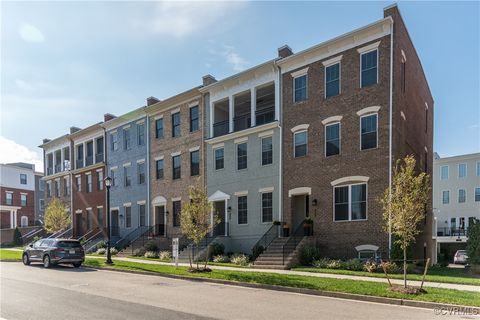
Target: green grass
338,285
150,259
10,255
445,275
200,263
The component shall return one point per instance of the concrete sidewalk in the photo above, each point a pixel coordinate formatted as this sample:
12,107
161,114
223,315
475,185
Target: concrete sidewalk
454,286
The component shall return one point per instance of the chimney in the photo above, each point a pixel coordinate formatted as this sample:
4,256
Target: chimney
74,129
208,79
46,140
108,116
284,51
152,100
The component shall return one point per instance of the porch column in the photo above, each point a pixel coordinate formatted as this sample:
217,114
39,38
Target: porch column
15,218
277,100
211,218
253,106
226,217
62,159
11,220
230,113
211,116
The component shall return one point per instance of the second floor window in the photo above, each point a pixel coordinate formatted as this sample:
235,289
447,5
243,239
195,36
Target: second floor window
141,172
159,169
23,178
446,197
194,163
462,170
300,144
78,182
350,202
242,210
23,200
128,217
66,186
368,130
100,180
89,183
113,175
141,134
126,138
176,167
177,209
8,198
332,80
242,156
194,123
300,88
462,196
267,151
332,139
159,128
127,176
477,194
176,130
114,141
219,158
444,173
369,68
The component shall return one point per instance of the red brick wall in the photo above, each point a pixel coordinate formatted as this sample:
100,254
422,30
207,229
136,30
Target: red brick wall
28,210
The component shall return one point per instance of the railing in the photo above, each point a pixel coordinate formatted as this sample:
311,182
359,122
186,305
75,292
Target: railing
98,157
220,128
127,240
89,160
241,122
92,241
58,168
265,115
263,243
142,239
49,171
79,164
26,238
204,243
293,241
87,235
451,232
56,234
66,233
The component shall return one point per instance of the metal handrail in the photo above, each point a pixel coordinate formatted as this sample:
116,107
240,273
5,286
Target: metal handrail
88,234
292,241
267,238
56,234
142,236
123,242
27,237
64,232
451,232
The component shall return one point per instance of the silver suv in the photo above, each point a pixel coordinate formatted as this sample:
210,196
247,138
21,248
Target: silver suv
54,251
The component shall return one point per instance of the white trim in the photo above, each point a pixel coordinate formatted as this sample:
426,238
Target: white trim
265,190
158,117
364,247
242,133
300,127
349,179
127,126
8,191
114,209
127,204
114,168
78,211
218,145
265,134
140,121
112,132
299,191
141,202
426,105
332,61
218,196
98,170
174,154
241,193
194,104
175,110
140,161
159,201
98,207
404,56
332,119
58,179
176,199
368,110
426,149
194,149
240,140
403,116
23,193
299,73
158,158
370,47
88,209
128,164
86,173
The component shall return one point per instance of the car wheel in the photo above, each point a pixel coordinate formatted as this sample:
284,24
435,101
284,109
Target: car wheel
26,259
46,261
77,264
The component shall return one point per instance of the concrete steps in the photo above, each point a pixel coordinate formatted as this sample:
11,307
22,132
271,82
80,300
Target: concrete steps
272,257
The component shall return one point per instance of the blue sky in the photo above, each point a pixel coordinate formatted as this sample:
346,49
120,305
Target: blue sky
67,63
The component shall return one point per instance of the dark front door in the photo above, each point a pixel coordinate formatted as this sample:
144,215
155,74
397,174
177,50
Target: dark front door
115,229
78,224
219,214
299,211
160,221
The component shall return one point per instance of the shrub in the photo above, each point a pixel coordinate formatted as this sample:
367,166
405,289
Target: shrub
140,252
113,251
334,264
390,267
102,251
165,255
309,254
17,237
217,249
473,243
353,264
102,244
370,266
151,254
221,258
321,263
239,259
151,246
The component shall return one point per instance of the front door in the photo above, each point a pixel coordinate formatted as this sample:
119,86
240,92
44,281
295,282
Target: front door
115,231
219,214
78,225
160,221
299,211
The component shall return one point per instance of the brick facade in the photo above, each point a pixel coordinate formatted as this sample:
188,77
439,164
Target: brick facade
27,211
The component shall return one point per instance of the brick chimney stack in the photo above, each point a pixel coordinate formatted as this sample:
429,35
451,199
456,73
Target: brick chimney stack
152,100
46,140
284,51
74,129
208,79
108,117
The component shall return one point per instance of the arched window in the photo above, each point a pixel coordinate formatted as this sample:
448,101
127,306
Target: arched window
24,221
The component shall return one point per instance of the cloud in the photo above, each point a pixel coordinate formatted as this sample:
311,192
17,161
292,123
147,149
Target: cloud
473,127
30,33
230,56
14,152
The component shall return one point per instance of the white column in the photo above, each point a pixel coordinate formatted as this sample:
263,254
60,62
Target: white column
62,159
230,113
84,154
11,220
277,100
211,218
211,116
226,217
253,106
15,218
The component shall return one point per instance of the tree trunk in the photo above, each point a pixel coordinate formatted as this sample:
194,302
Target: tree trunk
190,256
405,266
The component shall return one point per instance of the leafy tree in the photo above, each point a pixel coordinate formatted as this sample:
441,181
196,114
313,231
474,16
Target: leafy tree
405,204
56,216
195,218
473,243
17,237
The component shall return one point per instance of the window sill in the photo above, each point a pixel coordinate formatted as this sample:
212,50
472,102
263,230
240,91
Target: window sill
357,220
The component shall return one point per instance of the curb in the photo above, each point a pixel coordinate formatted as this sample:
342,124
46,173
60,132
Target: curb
312,292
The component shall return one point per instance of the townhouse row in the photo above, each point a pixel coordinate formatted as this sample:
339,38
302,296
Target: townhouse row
313,134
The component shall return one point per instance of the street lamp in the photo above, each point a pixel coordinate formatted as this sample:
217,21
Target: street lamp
108,184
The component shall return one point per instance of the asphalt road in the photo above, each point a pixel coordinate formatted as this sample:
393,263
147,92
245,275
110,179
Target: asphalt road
66,293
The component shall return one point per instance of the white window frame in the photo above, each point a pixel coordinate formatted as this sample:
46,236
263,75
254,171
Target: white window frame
448,193
360,130
466,170
339,78
131,220
22,219
238,211
458,195
339,138
378,67
478,168
350,201
215,158
41,204
236,156
261,206
441,172
306,143
475,193
261,151
306,86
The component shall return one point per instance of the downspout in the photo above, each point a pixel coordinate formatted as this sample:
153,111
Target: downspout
72,162
147,159
105,155
390,141
280,118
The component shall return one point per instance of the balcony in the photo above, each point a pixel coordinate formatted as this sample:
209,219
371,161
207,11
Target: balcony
220,128
265,115
242,122
451,232
49,171
98,157
58,168
79,164
89,160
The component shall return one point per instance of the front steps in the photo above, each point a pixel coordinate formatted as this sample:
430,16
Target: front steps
272,257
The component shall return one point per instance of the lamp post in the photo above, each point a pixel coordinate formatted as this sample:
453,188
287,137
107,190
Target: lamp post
108,184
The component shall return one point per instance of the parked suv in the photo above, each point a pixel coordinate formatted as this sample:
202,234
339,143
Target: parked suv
54,251
460,257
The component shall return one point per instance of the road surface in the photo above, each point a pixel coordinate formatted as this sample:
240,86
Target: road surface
32,292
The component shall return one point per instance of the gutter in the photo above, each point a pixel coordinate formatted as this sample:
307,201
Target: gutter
280,180
147,160
390,141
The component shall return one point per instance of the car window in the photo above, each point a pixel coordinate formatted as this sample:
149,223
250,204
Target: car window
37,244
68,244
47,243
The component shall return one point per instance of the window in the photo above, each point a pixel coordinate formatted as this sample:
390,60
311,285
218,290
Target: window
141,172
194,163
100,216
24,221
176,130
89,219
350,202
113,175
478,168
300,88
444,173
41,204
159,167
23,178
49,189
100,180
177,167
114,141
462,196
332,80
66,186
9,198
126,138
141,214
41,185
159,128
267,207
89,183
267,151
241,156
462,170
332,139
300,140
446,197
369,68
23,200
80,156
368,132
128,217
99,151
194,119
477,194
127,176
141,133
219,158
242,210
177,208
89,153
78,181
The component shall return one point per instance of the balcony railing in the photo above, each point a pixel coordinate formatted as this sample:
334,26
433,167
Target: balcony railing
451,232
242,122
98,157
49,171
89,160
58,168
79,164
220,128
265,115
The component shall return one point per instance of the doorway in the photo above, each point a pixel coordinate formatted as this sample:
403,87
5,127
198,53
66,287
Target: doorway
219,214
115,231
160,227
78,224
300,210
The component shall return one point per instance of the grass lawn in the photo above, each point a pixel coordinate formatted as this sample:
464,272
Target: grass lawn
200,263
445,275
338,285
10,255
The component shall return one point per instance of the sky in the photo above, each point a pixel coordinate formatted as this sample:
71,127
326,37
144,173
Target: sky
66,63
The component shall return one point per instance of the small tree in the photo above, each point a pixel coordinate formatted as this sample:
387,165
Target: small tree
195,218
17,237
404,205
56,216
473,243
